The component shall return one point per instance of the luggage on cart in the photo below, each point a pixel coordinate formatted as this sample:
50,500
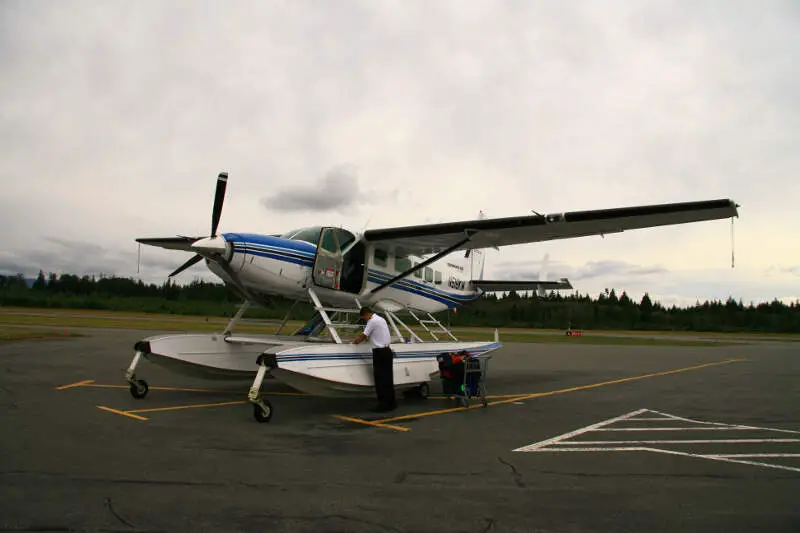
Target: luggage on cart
463,375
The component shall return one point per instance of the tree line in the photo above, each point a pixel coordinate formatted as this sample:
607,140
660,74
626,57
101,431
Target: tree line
577,311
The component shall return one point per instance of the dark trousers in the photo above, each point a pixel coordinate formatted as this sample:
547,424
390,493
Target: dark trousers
383,370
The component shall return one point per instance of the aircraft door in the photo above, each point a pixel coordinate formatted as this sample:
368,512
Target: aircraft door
329,260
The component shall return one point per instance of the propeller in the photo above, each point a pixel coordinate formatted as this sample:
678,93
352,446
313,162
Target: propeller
219,198
195,259
216,214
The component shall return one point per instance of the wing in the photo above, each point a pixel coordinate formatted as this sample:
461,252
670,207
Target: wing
171,243
485,233
502,286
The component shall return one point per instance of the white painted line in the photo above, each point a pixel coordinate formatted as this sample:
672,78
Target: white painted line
642,419
684,454
754,455
711,441
576,449
728,428
564,444
721,424
725,459
554,440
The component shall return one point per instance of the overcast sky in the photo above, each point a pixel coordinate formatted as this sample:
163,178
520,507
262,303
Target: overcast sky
116,116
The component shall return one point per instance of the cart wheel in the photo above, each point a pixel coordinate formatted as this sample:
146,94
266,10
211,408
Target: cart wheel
262,411
139,389
424,390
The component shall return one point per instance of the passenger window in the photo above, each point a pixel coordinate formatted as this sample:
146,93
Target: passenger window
381,257
417,273
401,262
437,277
428,274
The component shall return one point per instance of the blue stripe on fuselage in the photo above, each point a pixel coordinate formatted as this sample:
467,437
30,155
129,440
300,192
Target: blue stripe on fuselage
268,240
424,354
303,253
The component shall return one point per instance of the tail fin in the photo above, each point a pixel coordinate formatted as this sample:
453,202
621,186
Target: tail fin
476,258
543,275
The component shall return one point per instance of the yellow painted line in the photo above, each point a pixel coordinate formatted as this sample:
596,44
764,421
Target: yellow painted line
560,391
123,413
492,397
102,386
193,406
368,423
78,384
623,380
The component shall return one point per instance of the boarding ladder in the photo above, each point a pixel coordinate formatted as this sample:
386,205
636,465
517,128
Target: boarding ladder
333,322
431,320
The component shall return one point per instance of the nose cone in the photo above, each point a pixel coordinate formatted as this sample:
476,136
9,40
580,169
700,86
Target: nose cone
211,245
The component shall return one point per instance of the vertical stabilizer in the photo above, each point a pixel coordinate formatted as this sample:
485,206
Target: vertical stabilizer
543,275
477,258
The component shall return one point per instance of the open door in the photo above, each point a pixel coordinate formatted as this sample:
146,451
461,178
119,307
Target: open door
329,260
337,271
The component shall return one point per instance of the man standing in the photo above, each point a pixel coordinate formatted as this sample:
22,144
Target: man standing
382,358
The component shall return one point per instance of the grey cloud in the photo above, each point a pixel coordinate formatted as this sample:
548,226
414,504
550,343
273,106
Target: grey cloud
85,258
594,269
77,247
779,270
519,270
338,190
547,105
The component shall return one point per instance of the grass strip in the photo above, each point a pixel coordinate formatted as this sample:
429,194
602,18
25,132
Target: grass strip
11,333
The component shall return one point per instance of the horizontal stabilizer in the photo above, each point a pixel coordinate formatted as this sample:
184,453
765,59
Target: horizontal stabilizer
498,286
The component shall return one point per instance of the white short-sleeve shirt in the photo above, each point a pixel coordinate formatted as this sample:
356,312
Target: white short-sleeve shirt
378,332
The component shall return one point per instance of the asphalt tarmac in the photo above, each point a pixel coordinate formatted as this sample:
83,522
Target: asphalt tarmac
608,438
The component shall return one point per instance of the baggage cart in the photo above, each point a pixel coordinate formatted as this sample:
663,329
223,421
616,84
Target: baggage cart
464,376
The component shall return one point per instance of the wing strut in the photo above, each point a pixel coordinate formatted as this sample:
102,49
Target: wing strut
424,263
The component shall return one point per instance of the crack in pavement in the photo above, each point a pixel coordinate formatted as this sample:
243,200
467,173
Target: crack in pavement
514,472
110,506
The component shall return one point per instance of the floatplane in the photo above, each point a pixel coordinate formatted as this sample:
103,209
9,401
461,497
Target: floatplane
407,272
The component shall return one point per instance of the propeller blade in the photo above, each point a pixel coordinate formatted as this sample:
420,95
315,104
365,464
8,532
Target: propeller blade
219,198
187,264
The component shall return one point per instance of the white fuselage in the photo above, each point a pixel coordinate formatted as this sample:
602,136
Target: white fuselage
285,267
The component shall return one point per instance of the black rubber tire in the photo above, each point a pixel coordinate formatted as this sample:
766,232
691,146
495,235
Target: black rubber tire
424,391
258,412
139,389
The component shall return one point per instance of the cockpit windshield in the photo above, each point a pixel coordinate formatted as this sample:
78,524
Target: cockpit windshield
310,235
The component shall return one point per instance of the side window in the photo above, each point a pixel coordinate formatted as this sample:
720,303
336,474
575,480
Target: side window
344,237
437,277
401,262
329,242
428,274
417,273
381,257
